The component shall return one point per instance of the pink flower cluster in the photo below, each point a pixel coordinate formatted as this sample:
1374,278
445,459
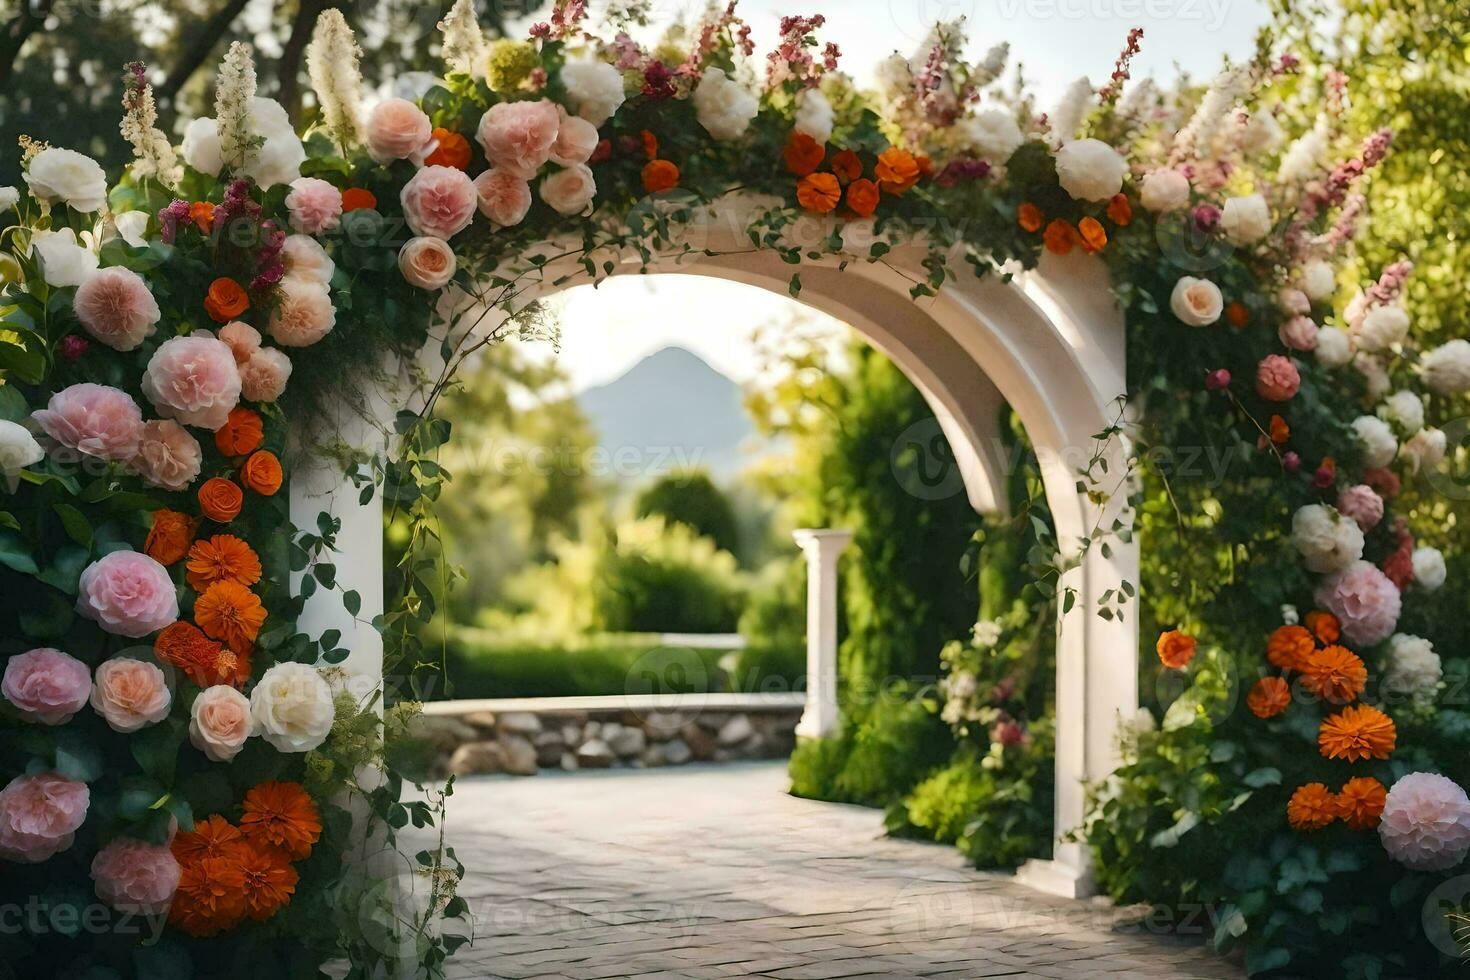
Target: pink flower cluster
193,379
94,419
39,816
128,594
46,686
135,876
1364,601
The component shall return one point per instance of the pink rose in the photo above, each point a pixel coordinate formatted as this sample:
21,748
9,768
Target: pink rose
128,594
46,685
242,339
115,306
504,197
263,377
220,722
1364,601
304,256
193,379
168,456
1298,333
1277,379
518,136
1362,504
396,130
39,816
1294,301
315,205
439,202
130,694
304,314
569,191
576,138
93,419
427,263
135,876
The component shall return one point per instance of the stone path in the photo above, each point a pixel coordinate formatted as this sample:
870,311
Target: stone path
710,872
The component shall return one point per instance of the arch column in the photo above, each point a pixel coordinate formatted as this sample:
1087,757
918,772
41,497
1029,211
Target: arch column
823,548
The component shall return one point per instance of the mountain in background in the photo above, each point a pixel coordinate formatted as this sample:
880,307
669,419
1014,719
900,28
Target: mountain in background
671,411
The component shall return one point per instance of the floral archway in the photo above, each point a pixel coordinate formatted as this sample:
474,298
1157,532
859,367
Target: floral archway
186,738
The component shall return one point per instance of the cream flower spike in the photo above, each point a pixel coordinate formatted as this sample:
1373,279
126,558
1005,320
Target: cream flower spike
238,141
464,43
332,61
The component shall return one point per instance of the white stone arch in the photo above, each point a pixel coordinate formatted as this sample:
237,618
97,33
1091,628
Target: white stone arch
1050,343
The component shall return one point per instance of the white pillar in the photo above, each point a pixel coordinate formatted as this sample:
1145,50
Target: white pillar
822,548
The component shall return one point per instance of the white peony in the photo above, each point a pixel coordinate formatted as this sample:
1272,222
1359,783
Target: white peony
1446,369
64,260
9,197
991,135
276,161
200,147
1261,133
1376,440
1327,541
1196,302
595,87
569,190
292,707
813,114
1318,280
723,106
1334,347
1382,327
1165,190
1090,170
1246,220
1413,666
18,449
1429,570
1375,374
1426,822
1404,410
1424,450
67,177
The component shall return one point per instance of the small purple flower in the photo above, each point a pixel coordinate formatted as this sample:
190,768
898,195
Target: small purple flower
1217,380
169,218
1206,217
1290,461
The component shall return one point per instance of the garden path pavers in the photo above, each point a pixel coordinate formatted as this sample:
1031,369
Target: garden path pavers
709,872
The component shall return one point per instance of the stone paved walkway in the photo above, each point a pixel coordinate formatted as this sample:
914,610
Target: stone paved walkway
709,872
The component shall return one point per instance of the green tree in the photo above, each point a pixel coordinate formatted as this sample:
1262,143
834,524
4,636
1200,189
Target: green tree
692,499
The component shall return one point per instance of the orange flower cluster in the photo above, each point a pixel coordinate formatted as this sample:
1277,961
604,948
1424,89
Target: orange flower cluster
1061,235
820,192
1359,805
204,661
168,539
221,558
225,300
229,612
1331,672
1357,732
358,199
453,150
241,434
1175,649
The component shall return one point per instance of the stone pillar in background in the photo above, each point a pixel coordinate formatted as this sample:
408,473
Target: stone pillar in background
822,547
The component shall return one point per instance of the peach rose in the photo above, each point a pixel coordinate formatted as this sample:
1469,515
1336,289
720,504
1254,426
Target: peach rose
93,419
315,206
115,306
304,314
396,130
263,377
46,686
242,339
220,722
427,263
439,202
504,197
130,694
576,138
193,379
569,191
135,876
1196,302
39,816
168,456
518,136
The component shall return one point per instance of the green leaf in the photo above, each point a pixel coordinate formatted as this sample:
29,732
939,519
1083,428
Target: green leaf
75,523
1260,960
15,554
1265,776
156,749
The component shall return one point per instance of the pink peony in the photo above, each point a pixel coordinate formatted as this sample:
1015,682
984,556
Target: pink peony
46,685
130,694
1277,379
576,138
242,339
128,594
504,197
115,306
193,379
427,263
518,136
1362,505
439,201
39,816
135,876
569,191
304,256
168,456
94,419
1364,601
1298,333
304,315
1426,822
315,205
263,378
397,130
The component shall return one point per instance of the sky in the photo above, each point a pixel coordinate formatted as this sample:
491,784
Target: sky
608,331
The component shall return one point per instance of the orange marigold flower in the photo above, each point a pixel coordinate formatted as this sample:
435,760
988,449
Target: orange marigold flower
847,166
1324,626
453,150
862,197
220,499
650,144
221,558
1269,697
818,193
282,816
1360,804
1093,235
1335,673
1312,807
1289,647
230,613
1236,314
201,216
270,881
204,661
213,836
1280,431
168,539
1175,649
1357,732
803,154
225,300
660,175
897,170
210,898
1120,211
242,432
1060,237
262,473
358,199
1029,217
926,165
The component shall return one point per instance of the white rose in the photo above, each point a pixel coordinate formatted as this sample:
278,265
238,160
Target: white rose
18,449
1413,666
1261,133
292,707
201,146
1246,220
569,191
277,160
595,87
1196,302
1326,540
220,722
813,114
1429,570
1334,347
1090,170
1375,374
991,135
1383,326
1164,190
66,176
1446,369
1318,280
64,261
131,226
723,106
9,197
1403,409
1376,440
1424,450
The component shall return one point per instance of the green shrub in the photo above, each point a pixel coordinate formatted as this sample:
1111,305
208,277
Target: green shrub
773,626
692,499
